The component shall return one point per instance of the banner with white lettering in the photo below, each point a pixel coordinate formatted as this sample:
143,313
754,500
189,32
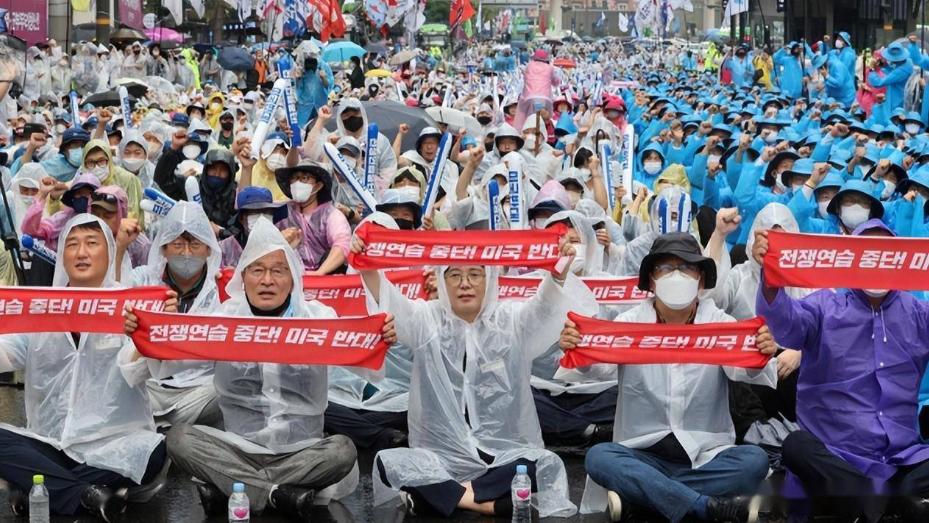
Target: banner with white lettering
820,261
607,291
355,342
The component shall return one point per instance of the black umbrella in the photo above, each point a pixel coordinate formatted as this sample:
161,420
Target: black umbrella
388,115
136,88
377,48
105,99
127,35
236,59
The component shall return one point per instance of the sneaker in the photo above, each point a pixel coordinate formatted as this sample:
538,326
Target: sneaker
409,506
614,506
736,509
103,502
914,509
214,502
293,501
19,502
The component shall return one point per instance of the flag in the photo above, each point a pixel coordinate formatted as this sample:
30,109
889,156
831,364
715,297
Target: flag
296,13
326,18
175,7
86,5
415,17
602,19
270,7
734,7
623,23
460,11
198,7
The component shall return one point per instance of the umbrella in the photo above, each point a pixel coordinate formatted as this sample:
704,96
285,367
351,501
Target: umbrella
377,48
455,119
564,63
236,59
127,35
378,73
136,88
105,99
402,57
389,114
342,51
164,34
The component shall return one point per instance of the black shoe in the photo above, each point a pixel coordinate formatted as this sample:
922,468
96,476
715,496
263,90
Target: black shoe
214,502
103,502
603,433
293,501
738,509
393,438
913,509
19,502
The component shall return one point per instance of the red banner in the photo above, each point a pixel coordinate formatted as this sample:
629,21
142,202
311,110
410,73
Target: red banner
26,19
607,291
355,342
731,344
130,13
856,262
344,292
387,248
63,309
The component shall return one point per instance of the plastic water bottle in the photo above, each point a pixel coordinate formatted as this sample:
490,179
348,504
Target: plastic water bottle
238,504
38,500
521,494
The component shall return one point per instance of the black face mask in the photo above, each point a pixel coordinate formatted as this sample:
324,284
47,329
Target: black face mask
372,90
353,123
310,64
488,146
484,120
227,126
404,225
80,205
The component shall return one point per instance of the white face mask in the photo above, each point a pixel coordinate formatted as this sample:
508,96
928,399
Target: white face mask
652,167
577,265
27,200
574,197
770,138
876,293
252,219
854,215
823,213
796,187
677,290
529,142
889,188
191,151
779,185
713,159
60,129
912,128
276,161
301,191
100,172
839,44
133,164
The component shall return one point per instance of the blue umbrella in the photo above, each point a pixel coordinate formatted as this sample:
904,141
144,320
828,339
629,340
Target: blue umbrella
342,51
236,59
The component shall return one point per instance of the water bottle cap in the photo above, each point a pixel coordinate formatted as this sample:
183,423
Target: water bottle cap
238,487
38,479
521,469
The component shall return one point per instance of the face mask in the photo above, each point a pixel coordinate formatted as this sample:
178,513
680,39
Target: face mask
252,219
529,142
876,293
227,126
100,172
404,225
215,182
276,161
652,167
153,149
796,187
184,266
133,164
301,191
27,200
75,156
854,215
839,44
80,205
912,128
579,262
191,151
353,123
823,213
488,146
677,290
574,197
779,185
60,129
770,138
484,120
889,188
713,159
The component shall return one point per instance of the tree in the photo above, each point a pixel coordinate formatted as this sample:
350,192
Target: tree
437,11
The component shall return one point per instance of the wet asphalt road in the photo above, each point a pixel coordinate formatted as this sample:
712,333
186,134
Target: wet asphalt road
178,502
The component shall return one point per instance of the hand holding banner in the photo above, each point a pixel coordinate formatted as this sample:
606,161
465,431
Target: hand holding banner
731,344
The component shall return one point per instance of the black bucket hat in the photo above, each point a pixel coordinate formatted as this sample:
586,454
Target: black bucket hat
684,246
318,170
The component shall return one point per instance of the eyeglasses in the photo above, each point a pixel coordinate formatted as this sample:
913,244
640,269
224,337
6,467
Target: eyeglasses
90,164
256,272
665,269
302,177
456,277
192,245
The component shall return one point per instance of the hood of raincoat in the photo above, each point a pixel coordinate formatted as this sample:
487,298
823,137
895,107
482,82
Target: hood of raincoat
490,293
416,174
552,191
61,279
351,103
770,215
675,174
580,223
105,147
188,217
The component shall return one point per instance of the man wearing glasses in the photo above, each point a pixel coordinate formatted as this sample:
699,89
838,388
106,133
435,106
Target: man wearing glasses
674,449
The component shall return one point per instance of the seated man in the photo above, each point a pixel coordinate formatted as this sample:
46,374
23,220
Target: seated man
88,430
864,352
471,416
674,449
273,414
185,258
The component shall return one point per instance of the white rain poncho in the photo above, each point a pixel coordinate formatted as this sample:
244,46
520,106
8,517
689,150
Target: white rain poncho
30,176
271,408
347,388
181,375
539,168
689,401
740,288
146,173
481,369
77,398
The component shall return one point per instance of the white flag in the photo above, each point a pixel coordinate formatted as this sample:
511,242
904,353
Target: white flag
734,7
198,7
623,23
176,8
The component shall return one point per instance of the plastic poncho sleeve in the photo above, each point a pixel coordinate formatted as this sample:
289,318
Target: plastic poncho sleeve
793,323
414,320
13,349
823,149
540,319
134,372
922,409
